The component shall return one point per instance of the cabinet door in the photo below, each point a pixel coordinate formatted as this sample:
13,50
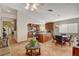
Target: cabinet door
30,34
49,26
75,51
37,28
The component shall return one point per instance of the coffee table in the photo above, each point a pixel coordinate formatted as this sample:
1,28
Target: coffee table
32,50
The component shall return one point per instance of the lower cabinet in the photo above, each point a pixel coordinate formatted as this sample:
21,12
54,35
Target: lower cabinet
44,37
75,51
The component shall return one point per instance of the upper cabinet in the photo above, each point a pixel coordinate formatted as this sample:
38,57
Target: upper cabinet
49,26
33,27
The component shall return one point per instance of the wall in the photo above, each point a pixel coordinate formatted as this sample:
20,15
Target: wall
6,16
42,27
0,24
21,27
22,21
0,28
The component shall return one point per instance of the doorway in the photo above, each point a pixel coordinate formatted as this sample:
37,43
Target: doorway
8,32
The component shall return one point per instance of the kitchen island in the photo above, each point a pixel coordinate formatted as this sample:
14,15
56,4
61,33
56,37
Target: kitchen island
44,37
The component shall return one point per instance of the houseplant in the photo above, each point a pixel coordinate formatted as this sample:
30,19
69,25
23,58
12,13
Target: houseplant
33,42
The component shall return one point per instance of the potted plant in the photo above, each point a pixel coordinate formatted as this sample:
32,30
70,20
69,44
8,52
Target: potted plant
33,42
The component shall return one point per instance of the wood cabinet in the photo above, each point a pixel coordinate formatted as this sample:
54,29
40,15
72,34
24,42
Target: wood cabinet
37,28
1,43
30,34
49,26
75,51
33,29
15,25
44,37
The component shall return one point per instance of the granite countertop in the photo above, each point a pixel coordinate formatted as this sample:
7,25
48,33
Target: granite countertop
75,43
44,33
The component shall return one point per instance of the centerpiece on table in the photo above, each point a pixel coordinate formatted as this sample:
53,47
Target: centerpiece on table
33,42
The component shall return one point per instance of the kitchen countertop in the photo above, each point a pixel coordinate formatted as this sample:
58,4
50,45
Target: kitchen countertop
75,42
44,33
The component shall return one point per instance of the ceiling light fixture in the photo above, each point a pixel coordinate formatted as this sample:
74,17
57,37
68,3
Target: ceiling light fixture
31,6
27,6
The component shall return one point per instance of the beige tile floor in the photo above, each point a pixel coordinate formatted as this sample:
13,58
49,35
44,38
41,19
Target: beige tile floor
47,49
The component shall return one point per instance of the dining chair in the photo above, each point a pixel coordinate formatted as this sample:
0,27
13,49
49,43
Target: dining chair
59,40
69,40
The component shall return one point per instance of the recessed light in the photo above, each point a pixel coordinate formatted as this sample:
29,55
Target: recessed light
50,10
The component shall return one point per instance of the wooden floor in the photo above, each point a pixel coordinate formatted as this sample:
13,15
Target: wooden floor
47,49
4,51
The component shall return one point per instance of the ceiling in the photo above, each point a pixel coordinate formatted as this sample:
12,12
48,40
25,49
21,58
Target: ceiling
61,11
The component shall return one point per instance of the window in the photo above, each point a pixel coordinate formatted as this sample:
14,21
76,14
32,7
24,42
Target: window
68,28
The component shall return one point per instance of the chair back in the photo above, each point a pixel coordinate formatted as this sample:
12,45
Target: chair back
70,37
58,38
